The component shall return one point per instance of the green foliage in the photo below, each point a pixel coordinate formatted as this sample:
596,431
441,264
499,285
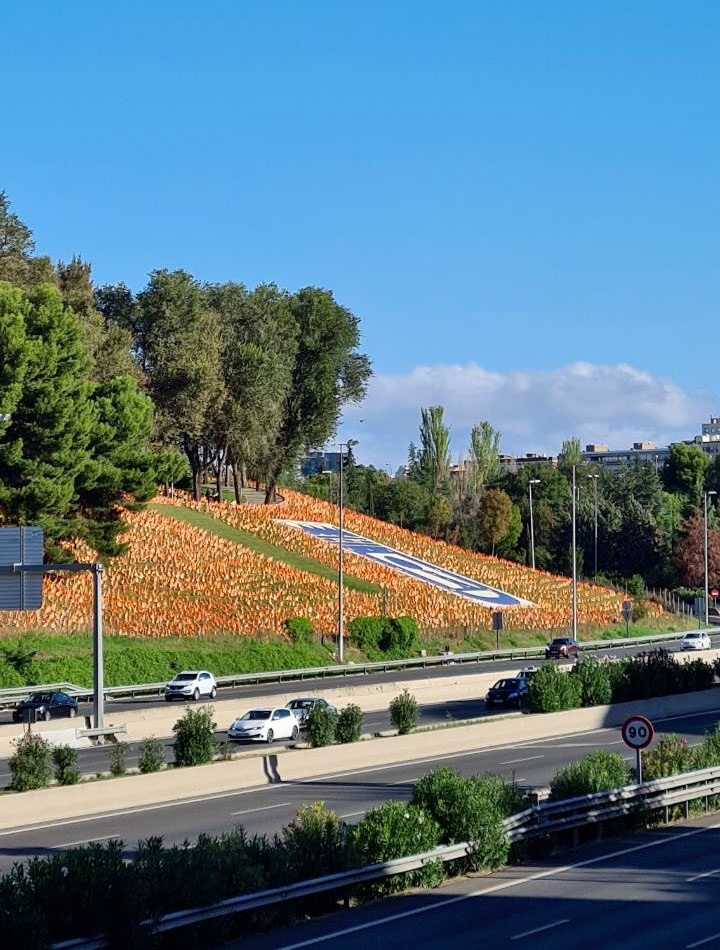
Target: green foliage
636,587
195,741
117,754
685,470
659,674
20,658
65,761
300,629
349,724
404,712
152,755
30,766
596,772
595,682
494,516
315,842
434,456
400,635
551,690
395,830
366,633
321,725
670,756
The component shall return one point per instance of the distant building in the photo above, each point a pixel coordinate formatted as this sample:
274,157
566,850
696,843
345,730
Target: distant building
616,459
316,462
709,439
513,463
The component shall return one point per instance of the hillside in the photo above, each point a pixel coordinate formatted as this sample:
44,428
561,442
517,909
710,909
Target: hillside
206,568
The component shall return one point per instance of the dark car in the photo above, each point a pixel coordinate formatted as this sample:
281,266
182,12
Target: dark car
301,707
45,706
507,692
561,647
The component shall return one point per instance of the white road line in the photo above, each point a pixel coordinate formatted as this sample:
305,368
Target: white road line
353,814
73,844
249,811
538,930
699,877
528,758
506,885
699,943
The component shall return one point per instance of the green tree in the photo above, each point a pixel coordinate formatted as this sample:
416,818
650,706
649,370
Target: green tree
690,555
14,350
439,515
435,449
402,501
570,454
494,515
685,469
18,265
507,546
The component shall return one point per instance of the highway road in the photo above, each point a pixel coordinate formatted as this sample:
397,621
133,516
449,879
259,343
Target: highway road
657,890
268,808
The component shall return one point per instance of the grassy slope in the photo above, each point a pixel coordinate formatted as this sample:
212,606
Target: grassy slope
214,526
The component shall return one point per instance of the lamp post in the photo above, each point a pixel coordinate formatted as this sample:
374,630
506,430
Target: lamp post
533,481
574,558
341,606
707,585
595,484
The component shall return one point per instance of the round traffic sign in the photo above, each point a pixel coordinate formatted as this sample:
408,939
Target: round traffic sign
715,593
637,732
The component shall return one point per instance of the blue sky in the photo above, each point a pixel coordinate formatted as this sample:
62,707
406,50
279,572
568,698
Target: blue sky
512,188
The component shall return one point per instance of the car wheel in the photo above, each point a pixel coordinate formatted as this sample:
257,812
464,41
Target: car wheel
294,733
72,712
213,692
46,715
196,694
270,736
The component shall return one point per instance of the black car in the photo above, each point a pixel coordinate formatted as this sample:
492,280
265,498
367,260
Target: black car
561,647
507,692
45,706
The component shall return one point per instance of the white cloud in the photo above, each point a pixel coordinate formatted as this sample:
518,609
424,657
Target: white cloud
533,410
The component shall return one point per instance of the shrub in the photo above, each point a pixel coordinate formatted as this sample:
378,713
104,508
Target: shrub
195,741
404,712
596,772
30,766
152,755
349,724
696,674
595,683
670,756
366,633
117,754
300,630
400,635
321,725
659,674
395,830
315,842
468,809
635,586
65,762
551,690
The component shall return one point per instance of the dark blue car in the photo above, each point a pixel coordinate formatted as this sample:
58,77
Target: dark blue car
511,692
45,706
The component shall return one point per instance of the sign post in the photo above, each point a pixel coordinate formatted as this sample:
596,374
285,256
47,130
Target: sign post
627,615
637,733
497,625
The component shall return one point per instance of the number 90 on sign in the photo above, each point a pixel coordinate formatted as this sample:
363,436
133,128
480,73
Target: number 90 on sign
637,732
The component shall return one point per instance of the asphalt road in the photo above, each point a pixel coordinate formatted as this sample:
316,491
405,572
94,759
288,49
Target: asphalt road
269,808
658,890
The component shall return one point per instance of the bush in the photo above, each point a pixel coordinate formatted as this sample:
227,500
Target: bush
367,633
400,635
300,630
670,756
321,725
30,766
659,674
596,772
349,724
65,762
152,755
469,809
635,586
395,830
117,754
404,712
315,842
551,690
195,741
595,682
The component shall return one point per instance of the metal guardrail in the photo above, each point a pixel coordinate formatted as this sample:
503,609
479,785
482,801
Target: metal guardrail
544,818
8,697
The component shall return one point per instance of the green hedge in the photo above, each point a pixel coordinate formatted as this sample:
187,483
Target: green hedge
300,630
598,771
551,690
387,635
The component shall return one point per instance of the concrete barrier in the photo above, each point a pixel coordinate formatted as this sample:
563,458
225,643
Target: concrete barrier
135,791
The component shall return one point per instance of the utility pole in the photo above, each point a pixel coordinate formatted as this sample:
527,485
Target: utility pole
341,524
706,495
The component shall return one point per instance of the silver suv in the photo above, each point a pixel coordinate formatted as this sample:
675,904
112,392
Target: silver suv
191,684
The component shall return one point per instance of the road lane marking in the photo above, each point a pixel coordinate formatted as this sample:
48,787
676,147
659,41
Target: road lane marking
699,877
528,758
538,930
249,811
73,844
506,885
353,814
699,943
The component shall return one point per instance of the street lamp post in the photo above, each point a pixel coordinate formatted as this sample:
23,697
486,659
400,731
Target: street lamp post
341,606
595,484
707,584
574,558
533,481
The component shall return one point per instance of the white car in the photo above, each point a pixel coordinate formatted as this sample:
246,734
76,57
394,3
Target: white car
264,725
191,684
695,641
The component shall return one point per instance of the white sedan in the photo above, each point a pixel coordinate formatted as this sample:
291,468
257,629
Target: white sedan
264,725
696,641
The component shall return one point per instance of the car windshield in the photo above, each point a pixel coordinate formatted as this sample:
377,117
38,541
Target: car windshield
506,684
255,714
300,704
693,636
39,698
184,677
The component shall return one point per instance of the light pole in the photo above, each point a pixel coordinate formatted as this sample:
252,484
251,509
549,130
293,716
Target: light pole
707,585
341,606
595,484
533,481
574,559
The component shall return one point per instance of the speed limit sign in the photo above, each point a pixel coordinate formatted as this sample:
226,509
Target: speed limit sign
637,732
